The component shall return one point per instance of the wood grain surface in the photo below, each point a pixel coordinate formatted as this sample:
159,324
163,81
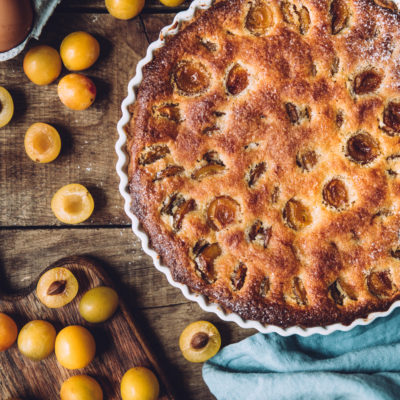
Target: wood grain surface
88,137
32,238
119,345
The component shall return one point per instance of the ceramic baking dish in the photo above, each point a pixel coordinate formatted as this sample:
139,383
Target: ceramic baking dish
121,167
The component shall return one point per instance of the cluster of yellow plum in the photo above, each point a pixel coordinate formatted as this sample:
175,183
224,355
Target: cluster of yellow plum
42,64
78,51
74,345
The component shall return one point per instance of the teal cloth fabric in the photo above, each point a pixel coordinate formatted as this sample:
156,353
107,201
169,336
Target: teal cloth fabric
362,364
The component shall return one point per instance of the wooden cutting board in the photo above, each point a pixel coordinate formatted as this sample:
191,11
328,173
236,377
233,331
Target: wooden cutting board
119,345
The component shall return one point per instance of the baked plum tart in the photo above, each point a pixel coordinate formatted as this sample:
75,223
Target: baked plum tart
265,158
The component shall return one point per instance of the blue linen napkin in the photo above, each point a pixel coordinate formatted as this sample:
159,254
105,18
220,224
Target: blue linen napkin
363,363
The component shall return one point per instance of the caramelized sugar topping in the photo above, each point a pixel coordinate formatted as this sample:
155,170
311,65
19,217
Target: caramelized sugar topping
258,234
207,170
153,153
237,80
256,172
191,78
367,82
362,148
296,16
389,4
299,292
296,215
380,283
168,111
260,18
171,170
391,117
307,160
339,16
238,276
205,256
335,194
222,212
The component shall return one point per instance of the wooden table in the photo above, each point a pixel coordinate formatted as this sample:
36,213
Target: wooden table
31,237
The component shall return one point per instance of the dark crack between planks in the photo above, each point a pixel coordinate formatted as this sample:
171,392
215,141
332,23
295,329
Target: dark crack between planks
144,29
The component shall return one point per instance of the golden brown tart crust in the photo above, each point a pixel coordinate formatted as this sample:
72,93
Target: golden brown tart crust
265,158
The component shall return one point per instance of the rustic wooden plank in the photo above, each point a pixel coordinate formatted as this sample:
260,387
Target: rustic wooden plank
154,23
160,310
94,4
117,247
151,6
88,136
44,379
